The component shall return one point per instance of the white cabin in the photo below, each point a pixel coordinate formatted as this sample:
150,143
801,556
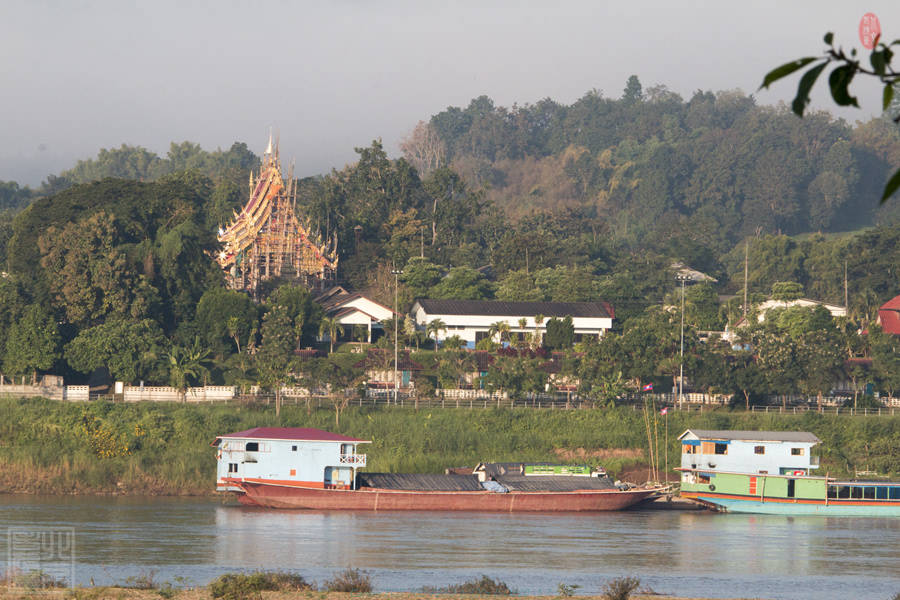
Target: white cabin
290,456
773,452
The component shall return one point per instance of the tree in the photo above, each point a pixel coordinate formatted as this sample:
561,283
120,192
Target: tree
187,364
435,327
500,330
785,291
848,66
420,276
225,314
131,350
276,350
424,148
332,327
304,312
463,283
633,92
32,343
560,333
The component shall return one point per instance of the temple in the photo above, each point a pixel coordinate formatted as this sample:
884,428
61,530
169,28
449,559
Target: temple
266,240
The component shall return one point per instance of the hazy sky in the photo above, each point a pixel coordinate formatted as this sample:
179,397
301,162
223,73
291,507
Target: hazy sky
79,76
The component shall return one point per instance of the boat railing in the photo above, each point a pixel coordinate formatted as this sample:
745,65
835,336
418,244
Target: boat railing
353,459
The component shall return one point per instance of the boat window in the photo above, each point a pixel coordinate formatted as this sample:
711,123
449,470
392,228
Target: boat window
869,492
894,492
293,448
856,492
881,493
796,451
759,449
232,467
844,491
252,447
687,448
832,491
721,448
701,478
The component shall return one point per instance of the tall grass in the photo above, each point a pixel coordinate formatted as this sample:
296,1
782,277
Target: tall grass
44,448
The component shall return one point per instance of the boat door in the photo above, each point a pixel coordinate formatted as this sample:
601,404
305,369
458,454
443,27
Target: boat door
791,483
329,477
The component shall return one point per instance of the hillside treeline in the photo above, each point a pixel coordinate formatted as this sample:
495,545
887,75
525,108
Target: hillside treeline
652,164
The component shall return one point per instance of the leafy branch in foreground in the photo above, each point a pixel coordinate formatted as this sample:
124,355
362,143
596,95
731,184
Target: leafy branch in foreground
839,80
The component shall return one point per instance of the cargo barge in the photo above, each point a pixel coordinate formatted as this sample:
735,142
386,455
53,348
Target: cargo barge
304,468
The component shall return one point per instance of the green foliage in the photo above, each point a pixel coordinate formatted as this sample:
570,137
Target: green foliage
481,586
349,580
560,334
565,590
247,586
277,347
131,350
32,343
226,315
786,290
463,283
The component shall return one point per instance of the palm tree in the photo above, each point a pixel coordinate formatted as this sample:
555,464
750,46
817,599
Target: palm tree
435,326
187,363
333,328
500,329
538,319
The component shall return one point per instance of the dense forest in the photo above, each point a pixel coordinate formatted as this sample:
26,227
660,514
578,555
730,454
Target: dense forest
109,263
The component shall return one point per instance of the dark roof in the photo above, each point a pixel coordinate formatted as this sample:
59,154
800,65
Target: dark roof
420,481
554,483
753,436
496,308
305,434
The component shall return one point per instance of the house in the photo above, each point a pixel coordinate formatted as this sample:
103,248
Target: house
379,367
289,456
730,334
354,310
472,320
889,316
774,452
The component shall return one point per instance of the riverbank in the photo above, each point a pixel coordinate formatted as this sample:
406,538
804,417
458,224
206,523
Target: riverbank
106,593
52,447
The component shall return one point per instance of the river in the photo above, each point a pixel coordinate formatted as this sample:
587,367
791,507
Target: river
684,553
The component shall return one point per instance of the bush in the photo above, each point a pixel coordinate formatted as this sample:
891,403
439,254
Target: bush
350,580
239,586
620,588
483,587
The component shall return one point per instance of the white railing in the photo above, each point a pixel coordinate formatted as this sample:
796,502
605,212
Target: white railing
353,459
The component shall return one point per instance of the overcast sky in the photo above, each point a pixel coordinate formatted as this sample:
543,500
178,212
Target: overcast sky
79,76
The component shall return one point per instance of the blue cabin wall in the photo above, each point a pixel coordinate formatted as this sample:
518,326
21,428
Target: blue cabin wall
306,463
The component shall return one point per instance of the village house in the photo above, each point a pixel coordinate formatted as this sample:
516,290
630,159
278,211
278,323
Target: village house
353,311
472,320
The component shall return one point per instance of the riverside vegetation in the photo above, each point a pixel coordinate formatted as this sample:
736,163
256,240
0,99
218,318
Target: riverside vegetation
163,449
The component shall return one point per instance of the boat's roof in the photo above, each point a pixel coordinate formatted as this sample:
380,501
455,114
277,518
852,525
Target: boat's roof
294,434
752,436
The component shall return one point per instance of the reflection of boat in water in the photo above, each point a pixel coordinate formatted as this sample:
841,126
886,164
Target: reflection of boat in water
290,467
770,472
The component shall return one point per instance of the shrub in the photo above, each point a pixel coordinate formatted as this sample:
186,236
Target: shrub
483,586
240,586
565,590
620,588
349,580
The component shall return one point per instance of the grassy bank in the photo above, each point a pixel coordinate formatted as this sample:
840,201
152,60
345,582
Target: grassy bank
54,447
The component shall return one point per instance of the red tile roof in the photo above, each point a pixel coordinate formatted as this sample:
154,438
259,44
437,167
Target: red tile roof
306,434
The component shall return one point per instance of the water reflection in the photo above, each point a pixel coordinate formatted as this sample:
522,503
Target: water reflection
687,553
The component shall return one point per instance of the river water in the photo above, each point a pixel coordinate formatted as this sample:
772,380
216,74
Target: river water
684,553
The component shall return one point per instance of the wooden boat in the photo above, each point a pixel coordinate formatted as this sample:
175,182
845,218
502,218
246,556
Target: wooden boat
770,472
299,468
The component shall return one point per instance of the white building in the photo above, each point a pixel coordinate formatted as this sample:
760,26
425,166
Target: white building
471,320
353,310
772,452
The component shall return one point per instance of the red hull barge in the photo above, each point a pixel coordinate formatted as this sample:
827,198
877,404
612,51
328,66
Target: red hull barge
274,496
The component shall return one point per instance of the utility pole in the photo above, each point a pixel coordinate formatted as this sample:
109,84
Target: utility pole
746,271
846,295
396,273
682,277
